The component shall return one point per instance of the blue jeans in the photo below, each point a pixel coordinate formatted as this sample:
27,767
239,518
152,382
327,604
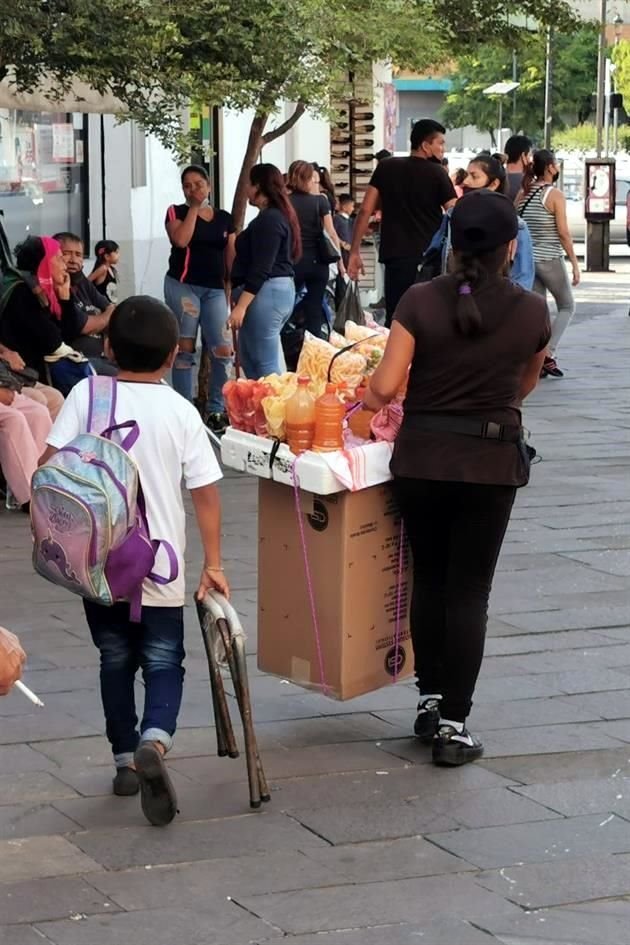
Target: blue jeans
156,645
195,305
259,338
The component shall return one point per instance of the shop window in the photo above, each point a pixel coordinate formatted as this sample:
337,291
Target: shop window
42,186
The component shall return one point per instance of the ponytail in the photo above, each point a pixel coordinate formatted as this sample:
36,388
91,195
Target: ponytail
536,170
467,273
470,271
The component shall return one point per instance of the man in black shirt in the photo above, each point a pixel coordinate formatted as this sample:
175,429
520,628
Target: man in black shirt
92,308
412,193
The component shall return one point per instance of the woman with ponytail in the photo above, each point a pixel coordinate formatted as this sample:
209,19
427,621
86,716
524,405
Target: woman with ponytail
262,276
544,209
472,344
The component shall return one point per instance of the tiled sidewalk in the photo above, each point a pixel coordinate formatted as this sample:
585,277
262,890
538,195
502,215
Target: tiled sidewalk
364,841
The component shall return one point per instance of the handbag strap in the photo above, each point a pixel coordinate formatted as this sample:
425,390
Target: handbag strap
523,207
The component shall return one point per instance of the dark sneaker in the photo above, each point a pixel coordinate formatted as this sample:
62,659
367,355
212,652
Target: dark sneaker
218,423
427,719
452,748
157,794
126,782
551,368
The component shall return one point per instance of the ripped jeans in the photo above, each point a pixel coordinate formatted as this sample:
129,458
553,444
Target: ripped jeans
194,306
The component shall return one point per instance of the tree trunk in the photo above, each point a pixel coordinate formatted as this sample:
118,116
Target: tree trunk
252,153
255,143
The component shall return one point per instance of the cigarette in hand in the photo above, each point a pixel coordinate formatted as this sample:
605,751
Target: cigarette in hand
28,693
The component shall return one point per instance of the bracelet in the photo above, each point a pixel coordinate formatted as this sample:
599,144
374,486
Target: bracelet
209,568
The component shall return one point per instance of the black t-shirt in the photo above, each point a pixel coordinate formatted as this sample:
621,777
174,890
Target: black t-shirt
263,251
311,210
476,376
412,194
201,262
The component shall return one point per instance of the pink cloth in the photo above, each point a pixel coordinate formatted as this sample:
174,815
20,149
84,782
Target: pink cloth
361,466
24,427
44,274
387,422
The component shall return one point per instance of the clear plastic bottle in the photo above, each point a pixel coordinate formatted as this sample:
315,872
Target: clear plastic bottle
300,418
329,416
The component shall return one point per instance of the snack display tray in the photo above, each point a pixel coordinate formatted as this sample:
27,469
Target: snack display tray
252,454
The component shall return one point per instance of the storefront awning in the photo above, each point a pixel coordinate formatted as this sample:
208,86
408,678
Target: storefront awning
79,98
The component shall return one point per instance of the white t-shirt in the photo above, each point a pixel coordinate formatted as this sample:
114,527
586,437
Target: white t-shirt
172,445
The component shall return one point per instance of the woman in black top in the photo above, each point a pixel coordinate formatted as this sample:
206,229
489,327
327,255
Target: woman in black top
195,287
311,274
472,344
262,275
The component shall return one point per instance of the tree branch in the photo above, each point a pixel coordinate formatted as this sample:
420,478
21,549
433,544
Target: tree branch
282,129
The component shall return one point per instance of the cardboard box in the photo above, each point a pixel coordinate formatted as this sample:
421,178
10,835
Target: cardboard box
353,542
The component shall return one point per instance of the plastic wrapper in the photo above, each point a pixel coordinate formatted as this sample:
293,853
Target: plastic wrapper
316,358
243,400
363,333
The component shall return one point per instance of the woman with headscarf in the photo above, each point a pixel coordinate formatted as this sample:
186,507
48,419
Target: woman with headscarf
37,315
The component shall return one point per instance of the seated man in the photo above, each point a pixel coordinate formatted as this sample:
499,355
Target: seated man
93,308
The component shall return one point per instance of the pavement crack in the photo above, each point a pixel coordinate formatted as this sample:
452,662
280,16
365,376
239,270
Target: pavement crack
297,820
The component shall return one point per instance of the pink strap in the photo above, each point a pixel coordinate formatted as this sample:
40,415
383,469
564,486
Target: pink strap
309,578
401,562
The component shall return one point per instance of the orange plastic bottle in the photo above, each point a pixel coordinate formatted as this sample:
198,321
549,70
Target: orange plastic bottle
360,420
300,418
329,414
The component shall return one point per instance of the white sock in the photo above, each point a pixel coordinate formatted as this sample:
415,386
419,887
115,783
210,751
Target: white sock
425,696
458,726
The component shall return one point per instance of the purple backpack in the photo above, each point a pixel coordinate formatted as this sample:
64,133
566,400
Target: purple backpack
88,514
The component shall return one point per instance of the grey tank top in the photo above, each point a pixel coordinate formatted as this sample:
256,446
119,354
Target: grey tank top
542,224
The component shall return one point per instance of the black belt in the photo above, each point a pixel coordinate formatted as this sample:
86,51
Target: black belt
467,426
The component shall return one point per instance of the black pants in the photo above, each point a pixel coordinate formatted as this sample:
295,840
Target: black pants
313,276
400,274
455,530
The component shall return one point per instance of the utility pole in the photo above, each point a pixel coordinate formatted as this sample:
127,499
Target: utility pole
601,78
598,231
548,89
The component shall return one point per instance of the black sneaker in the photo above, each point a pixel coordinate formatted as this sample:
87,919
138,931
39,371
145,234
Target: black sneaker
218,423
427,719
452,748
551,368
126,782
157,794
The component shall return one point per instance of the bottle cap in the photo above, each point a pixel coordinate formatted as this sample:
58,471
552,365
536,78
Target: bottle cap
303,380
331,388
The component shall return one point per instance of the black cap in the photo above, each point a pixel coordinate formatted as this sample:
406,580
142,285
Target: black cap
482,221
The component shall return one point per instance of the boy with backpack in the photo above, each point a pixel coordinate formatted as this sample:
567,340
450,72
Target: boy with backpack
161,436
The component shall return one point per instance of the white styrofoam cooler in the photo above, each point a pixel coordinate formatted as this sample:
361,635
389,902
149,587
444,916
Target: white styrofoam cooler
252,454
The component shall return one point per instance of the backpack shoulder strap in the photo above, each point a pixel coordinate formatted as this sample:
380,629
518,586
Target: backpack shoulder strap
102,405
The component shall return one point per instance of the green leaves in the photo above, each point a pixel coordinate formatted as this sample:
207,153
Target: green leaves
574,78
158,55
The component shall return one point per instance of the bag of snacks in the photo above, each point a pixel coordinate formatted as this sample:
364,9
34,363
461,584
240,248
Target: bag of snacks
321,361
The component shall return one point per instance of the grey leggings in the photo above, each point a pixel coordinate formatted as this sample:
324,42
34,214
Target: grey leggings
552,276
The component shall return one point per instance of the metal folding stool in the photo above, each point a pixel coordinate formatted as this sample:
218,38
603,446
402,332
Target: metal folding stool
223,638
